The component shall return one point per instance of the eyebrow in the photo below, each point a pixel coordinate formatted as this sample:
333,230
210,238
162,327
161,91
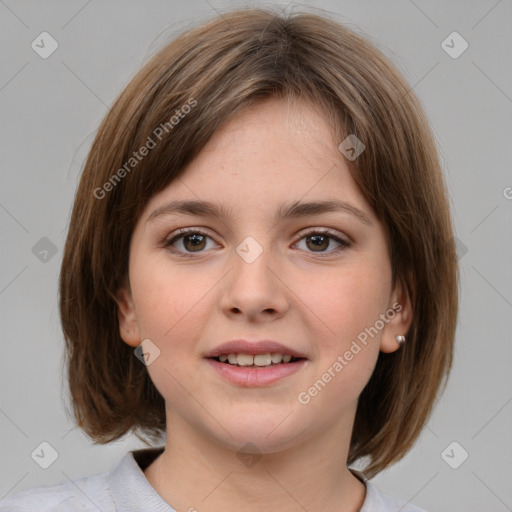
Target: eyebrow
296,209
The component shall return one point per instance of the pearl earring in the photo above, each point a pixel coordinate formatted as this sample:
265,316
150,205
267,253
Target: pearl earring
400,339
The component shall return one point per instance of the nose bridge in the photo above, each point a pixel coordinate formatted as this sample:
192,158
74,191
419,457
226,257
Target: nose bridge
252,262
253,284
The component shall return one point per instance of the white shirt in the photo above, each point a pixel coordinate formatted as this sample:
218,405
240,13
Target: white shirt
126,489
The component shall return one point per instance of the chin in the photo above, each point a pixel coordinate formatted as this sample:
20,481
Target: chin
259,434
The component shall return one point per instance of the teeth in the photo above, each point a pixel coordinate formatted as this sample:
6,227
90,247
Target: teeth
262,359
256,360
245,359
277,358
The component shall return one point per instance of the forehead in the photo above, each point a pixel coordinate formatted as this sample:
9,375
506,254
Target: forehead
268,155
296,124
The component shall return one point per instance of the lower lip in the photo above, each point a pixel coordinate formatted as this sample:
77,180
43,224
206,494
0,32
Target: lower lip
254,377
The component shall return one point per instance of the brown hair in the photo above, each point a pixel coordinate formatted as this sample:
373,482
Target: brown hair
221,68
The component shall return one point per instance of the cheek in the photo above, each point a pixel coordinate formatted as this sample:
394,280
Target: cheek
348,301
340,308
172,310
169,300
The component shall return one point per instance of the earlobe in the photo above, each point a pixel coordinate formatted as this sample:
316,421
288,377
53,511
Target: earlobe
128,326
400,318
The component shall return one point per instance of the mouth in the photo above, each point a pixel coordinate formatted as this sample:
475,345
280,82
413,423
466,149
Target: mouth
267,360
255,363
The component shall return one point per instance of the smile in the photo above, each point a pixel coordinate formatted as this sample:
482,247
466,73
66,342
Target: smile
258,360
250,371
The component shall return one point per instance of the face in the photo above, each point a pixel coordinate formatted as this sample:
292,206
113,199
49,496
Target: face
317,282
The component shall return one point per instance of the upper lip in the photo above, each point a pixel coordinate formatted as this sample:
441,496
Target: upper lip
254,347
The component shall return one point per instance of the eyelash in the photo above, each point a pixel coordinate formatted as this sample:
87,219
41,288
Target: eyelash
344,244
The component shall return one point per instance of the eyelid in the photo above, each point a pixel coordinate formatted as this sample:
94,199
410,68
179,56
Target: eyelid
182,232
325,231
302,232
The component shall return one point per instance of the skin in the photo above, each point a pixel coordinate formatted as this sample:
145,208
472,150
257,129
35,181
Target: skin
299,294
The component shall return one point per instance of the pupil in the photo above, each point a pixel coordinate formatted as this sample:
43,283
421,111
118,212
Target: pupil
316,241
195,240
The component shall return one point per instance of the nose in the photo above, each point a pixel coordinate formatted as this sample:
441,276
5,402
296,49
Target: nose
254,289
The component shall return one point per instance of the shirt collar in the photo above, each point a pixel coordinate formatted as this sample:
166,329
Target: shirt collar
129,486
131,490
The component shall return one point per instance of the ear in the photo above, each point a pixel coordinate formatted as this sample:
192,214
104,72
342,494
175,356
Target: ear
399,322
128,325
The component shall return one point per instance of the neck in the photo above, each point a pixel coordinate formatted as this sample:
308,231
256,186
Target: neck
196,472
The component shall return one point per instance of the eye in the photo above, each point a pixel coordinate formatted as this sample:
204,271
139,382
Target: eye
195,241
192,240
319,240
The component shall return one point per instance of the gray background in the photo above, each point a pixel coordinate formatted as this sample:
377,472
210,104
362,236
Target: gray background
50,109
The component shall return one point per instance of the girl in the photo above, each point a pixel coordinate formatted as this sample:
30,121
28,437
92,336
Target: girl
260,264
